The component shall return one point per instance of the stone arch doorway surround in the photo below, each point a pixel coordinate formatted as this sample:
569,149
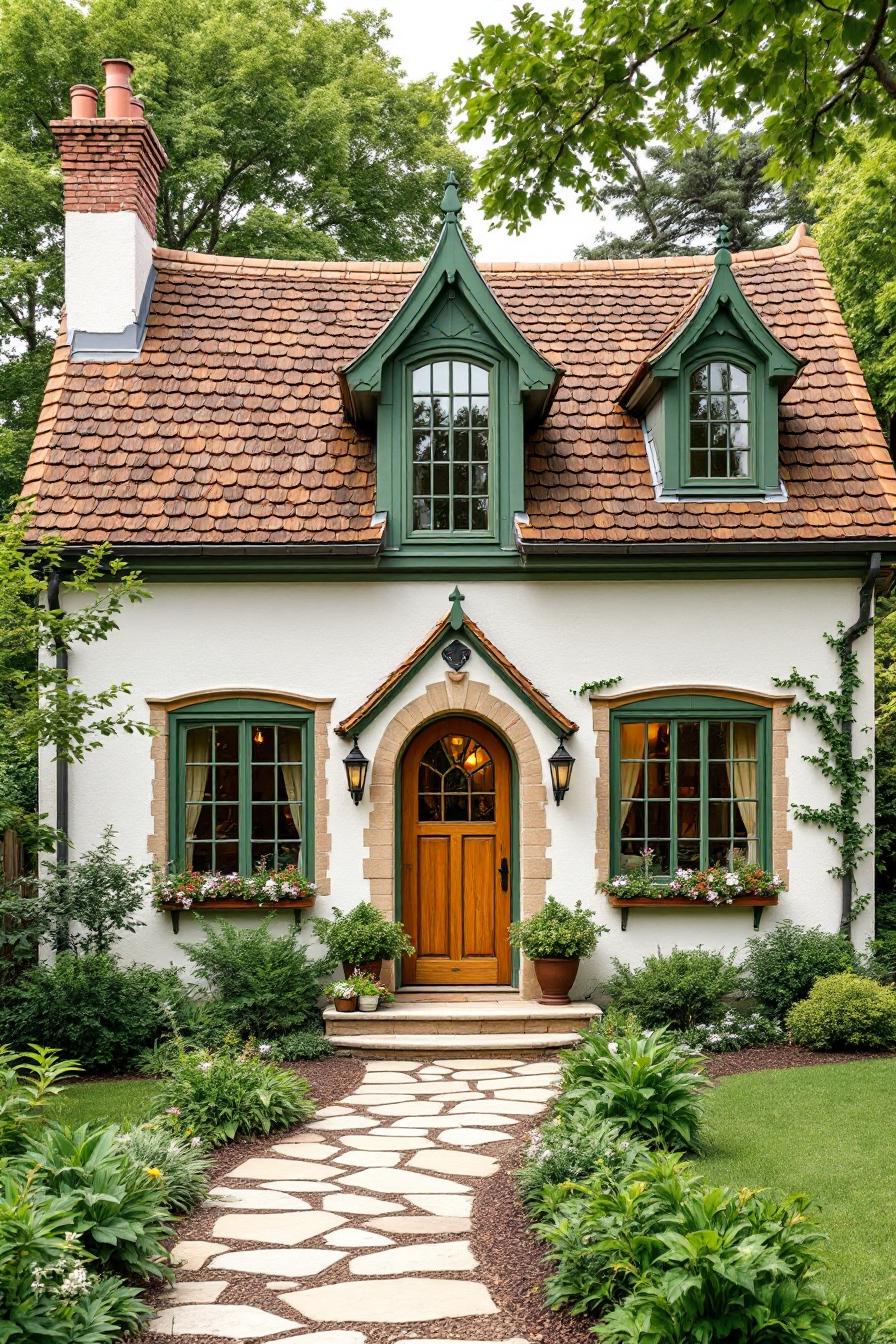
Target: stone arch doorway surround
458,695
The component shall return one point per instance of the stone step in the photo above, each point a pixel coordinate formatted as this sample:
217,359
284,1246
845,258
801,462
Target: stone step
464,1018
482,1045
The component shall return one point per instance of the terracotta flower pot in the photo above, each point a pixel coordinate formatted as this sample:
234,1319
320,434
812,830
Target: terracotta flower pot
369,968
346,1005
555,976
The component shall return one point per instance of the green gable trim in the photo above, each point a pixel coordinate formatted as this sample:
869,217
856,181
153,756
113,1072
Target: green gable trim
723,326
456,625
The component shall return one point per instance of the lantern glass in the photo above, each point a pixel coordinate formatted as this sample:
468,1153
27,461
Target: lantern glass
356,764
561,764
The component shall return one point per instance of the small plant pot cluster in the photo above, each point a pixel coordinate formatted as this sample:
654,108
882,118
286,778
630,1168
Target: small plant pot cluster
358,993
555,939
362,940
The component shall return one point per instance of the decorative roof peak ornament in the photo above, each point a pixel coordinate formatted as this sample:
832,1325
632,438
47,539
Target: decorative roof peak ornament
723,244
456,614
451,205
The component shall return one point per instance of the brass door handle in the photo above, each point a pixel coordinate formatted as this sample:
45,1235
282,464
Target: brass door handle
504,870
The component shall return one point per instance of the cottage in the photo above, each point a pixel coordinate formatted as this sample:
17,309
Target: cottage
401,513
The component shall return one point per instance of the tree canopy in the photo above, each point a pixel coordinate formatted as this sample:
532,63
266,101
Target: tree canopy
289,135
566,99
679,198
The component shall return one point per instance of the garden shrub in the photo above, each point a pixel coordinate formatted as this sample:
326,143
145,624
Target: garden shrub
261,984
303,1045
733,1031
221,1096
181,1162
845,1011
645,1083
572,1147
782,966
557,930
91,1008
676,1260
96,898
363,934
27,1082
677,988
881,959
116,1209
49,1290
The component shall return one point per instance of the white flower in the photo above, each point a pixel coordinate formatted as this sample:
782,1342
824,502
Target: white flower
732,880
613,1047
75,1283
195,1142
205,1065
265,1048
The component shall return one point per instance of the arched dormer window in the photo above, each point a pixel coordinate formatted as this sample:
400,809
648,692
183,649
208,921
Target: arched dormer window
720,439
450,448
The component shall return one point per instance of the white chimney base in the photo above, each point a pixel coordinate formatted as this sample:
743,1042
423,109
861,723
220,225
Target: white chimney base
108,283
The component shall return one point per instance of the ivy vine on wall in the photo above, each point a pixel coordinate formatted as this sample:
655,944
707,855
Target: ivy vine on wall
833,713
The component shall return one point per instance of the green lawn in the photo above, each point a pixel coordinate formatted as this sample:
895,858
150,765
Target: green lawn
125,1100
828,1131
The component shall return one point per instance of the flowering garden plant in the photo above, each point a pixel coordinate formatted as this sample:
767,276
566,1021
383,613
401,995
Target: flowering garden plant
717,885
263,887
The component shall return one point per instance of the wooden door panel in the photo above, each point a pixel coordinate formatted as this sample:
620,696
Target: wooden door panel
478,871
433,878
453,904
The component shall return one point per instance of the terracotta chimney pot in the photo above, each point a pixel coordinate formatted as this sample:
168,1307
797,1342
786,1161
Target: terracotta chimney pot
137,109
84,98
118,88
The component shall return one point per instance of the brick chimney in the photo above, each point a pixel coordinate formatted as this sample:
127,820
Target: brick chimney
110,167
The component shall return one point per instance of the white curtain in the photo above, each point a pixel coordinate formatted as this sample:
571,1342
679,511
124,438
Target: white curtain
290,743
744,781
631,743
198,755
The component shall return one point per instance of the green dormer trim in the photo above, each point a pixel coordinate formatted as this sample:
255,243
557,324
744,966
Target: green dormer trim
720,328
451,271
450,491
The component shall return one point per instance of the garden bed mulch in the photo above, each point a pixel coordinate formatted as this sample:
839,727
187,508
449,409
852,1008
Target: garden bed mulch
781,1057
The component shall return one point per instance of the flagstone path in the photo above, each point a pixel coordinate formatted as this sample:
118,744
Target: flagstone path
358,1224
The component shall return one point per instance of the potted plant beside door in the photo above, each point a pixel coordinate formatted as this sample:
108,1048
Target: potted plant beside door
363,939
555,939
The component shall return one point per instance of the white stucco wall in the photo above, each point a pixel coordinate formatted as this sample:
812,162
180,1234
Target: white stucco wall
341,639
107,261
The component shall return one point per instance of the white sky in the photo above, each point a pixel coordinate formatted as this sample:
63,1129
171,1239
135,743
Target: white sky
428,37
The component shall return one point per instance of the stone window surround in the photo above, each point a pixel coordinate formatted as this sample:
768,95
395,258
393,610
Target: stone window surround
159,710
601,707
458,695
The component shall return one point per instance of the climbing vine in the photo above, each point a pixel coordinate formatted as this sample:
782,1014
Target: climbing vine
833,713
595,687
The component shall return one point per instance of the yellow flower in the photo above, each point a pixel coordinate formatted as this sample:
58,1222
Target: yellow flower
154,1173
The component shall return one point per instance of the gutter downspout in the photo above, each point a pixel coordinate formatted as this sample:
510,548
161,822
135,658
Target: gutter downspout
53,604
848,641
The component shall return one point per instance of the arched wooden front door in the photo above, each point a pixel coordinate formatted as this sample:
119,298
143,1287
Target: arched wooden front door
455,888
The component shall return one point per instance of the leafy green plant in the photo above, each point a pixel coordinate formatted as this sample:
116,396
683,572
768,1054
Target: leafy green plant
880,961
781,967
303,1045
90,1008
845,1011
343,989
856,1327
734,1031
96,897
260,984
557,930
116,1209
572,1147
221,1096
645,1083
182,1163
365,984
49,1292
27,1082
363,934
677,988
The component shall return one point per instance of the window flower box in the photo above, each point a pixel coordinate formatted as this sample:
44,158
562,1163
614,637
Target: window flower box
743,884
623,904
283,889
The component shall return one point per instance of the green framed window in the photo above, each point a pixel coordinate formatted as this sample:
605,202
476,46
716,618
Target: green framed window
690,780
241,786
719,437
450,447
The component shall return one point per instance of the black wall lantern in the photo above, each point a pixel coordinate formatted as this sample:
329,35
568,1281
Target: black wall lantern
356,764
561,764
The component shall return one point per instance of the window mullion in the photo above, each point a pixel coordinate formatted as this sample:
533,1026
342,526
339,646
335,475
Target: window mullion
244,791
704,793
673,796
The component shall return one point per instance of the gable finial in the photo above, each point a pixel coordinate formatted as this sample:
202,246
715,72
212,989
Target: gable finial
451,200
456,615
723,243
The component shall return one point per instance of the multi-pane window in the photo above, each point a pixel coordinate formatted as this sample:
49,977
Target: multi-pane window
450,448
719,411
689,789
456,781
240,788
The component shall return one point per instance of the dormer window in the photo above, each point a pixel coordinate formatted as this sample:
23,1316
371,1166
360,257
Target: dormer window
720,438
450,457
